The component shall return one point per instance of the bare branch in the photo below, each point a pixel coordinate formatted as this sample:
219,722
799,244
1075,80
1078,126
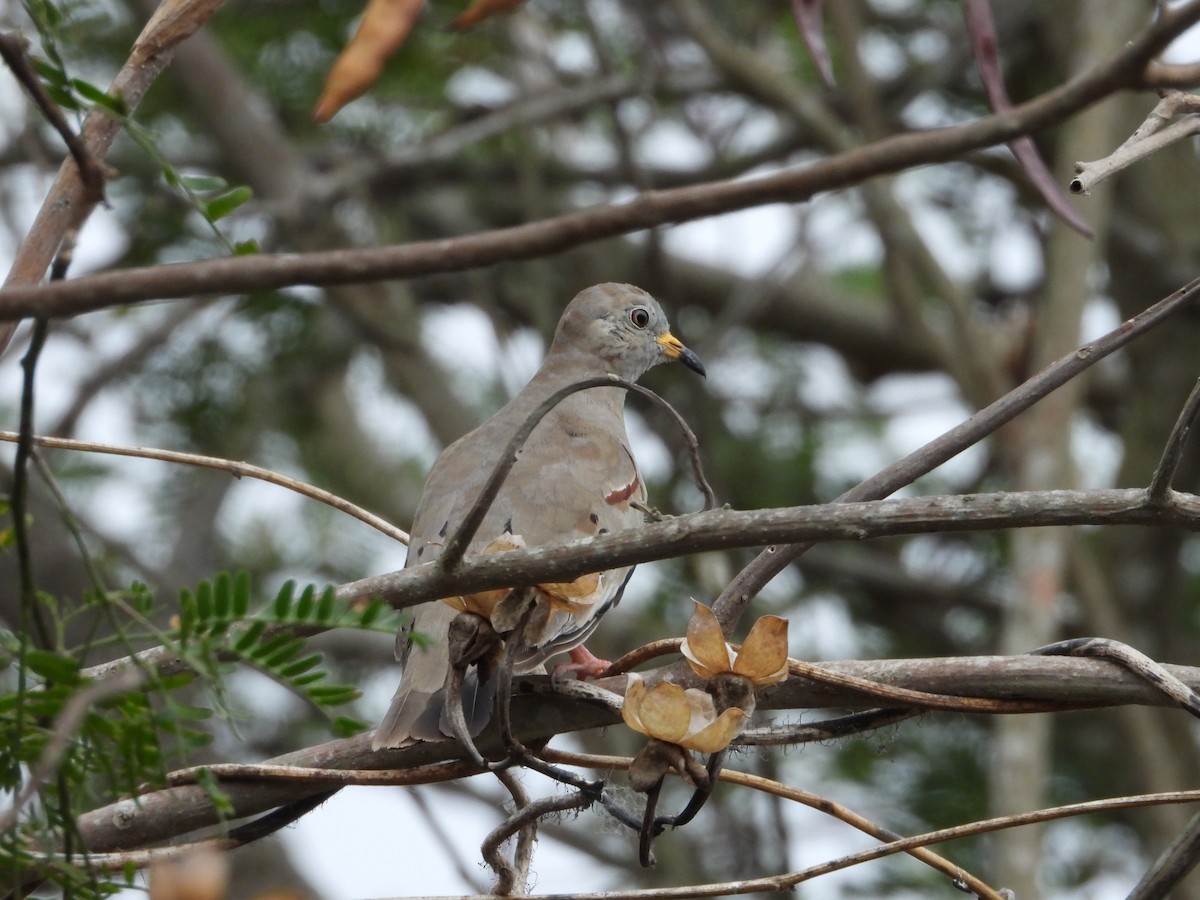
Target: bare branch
91,171
773,560
554,235
1150,137
1064,682
1160,482
236,469
726,529
1171,867
1132,661
1171,75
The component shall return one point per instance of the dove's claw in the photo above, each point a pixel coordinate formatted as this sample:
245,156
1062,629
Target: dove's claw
583,664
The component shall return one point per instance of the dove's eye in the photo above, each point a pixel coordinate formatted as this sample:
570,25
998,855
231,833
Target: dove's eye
639,316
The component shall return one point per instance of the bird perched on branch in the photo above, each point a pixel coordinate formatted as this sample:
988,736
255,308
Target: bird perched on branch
574,477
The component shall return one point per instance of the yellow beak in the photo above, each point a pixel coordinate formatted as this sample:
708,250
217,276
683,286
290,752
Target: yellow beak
673,348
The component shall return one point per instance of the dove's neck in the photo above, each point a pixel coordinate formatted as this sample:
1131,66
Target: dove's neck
562,369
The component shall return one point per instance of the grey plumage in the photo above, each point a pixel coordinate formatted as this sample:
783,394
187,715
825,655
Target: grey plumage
575,477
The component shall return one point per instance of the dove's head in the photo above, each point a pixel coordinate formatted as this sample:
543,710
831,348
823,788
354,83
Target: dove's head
621,327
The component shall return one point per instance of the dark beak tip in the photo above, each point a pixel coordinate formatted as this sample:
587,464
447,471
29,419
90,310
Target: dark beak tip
692,361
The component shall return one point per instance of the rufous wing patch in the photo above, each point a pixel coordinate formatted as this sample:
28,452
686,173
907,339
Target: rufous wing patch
622,494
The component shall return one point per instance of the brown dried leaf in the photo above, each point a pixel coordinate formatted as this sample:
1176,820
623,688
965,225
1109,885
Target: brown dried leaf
483,9
666,712
763,657
670,713
385,26
716,735
704,647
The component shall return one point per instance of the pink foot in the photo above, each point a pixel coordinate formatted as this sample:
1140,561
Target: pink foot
583,664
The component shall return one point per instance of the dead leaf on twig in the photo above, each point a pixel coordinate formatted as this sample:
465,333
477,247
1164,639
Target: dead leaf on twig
385,26
482,9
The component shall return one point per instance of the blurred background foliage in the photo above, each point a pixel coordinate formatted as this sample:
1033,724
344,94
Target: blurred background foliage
839,334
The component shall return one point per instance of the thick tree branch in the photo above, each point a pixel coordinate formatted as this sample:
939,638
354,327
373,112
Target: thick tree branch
549,236
727,529
1058,682
773,560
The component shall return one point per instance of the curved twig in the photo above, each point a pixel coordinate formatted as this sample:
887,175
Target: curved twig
773,560
555,235
828,730
1131,660
234,468
699,796
1172,453
457,543
836,810
509,879
91,172
527,814
908,696
642,654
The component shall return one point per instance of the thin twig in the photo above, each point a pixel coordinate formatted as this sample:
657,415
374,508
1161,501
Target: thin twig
1131,660
773,560
822,804
268,824
716,762
827,730
234,468
1164,473
30,609
67,515
265,772
69,202
141,859
642,654
1172,866
457,543
508,876
91,172
531,812
560,233
1152,135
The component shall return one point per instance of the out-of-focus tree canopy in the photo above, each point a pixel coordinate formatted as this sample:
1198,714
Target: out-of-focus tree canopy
842,327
